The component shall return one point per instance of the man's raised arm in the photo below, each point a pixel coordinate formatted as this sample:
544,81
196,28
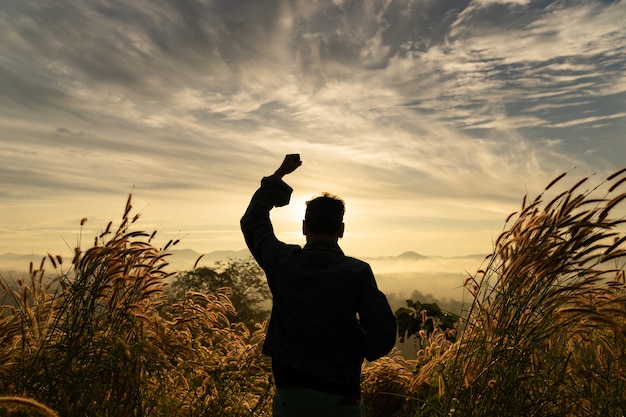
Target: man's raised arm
255,223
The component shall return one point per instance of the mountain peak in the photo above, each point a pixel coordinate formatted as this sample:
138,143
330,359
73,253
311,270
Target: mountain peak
411,255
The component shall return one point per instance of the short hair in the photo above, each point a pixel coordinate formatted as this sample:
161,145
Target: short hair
324,214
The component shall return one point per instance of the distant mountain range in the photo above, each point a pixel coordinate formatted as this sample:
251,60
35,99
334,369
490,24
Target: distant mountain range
179,259
399,276
185,259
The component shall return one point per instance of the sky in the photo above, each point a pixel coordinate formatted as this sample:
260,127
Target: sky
430,118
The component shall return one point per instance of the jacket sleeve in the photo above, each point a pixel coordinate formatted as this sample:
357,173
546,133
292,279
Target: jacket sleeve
256,225
377,320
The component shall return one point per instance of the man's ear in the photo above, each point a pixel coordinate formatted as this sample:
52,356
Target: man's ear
341,230
305,230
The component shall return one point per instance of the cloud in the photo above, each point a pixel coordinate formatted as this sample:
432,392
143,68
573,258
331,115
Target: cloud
483,3
461,104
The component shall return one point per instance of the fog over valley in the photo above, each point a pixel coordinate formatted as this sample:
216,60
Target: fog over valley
434,278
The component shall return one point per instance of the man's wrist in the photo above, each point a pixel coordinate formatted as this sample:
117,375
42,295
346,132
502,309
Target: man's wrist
279,191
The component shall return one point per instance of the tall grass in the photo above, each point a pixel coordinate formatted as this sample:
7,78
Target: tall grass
544,333
99,339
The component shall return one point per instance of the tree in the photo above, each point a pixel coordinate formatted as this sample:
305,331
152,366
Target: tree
421,319
250,293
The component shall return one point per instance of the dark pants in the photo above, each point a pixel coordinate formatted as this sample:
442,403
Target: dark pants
305,402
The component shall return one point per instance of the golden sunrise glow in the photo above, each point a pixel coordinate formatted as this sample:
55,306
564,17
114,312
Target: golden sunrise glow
430,142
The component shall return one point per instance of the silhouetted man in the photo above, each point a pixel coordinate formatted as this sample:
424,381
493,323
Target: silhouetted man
327,314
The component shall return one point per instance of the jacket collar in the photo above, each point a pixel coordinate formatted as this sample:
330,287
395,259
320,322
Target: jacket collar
323,245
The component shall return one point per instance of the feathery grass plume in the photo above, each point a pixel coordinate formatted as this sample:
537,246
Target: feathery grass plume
387,387
30,404
100,338
81,346
544,334
222,363
397,387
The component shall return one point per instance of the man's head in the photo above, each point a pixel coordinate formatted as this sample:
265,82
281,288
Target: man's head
324,217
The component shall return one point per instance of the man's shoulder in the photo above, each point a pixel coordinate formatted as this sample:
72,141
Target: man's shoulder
356,263
292,248
356,260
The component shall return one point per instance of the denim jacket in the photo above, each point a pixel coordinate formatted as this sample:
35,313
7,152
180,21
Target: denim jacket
327,312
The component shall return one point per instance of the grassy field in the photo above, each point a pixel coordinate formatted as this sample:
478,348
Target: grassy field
543,329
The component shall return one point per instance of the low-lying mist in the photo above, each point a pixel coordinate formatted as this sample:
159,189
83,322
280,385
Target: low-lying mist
406,276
